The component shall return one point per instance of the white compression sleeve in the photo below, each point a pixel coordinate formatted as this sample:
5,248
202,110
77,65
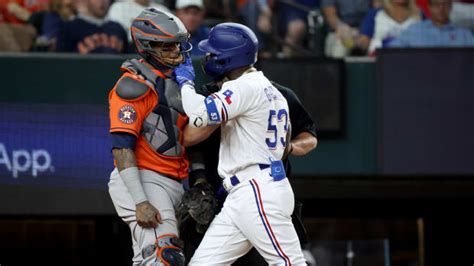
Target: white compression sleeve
131,178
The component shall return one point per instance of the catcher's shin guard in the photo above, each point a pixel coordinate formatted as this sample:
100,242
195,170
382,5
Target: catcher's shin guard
167,251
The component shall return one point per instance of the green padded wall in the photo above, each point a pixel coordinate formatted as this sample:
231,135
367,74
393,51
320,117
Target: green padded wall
354,152
59,78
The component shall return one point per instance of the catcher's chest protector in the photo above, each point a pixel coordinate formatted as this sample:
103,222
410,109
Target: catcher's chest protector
162,127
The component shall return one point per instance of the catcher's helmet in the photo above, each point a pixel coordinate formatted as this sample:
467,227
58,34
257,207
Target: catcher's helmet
229,46
153,25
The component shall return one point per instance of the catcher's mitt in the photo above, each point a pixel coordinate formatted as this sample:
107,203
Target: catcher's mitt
198,204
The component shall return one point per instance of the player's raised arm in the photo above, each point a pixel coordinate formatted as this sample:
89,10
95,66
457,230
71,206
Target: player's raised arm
234,98
218,107
193,105
200,110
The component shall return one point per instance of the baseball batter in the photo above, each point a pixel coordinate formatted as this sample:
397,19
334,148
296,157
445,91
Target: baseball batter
147,125
254,121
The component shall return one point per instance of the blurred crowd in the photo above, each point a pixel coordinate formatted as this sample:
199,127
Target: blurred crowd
285,28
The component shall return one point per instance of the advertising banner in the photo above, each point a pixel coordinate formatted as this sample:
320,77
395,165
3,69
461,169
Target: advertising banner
55,145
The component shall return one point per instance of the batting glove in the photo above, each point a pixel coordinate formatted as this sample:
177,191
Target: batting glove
184,73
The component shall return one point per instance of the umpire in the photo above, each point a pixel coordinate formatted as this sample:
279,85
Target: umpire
303,140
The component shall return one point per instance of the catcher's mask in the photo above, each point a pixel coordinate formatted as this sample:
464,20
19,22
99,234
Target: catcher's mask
160,38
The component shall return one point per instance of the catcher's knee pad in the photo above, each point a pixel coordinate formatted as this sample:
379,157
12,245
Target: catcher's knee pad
167,251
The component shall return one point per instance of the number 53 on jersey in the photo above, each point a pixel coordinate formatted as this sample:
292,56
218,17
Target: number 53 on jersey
277,128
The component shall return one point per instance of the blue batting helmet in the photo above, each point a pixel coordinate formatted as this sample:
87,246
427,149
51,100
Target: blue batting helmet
230,46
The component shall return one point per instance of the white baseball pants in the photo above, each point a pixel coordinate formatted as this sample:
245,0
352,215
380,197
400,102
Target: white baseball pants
257,212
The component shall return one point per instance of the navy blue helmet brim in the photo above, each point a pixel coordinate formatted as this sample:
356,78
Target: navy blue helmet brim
205,46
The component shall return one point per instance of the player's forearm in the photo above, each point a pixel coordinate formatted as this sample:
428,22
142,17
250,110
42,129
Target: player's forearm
330,13
303,144
127,166
125,158
194,107
193,135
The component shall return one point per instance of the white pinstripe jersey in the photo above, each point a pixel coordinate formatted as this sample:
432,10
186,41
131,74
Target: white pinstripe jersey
254,120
